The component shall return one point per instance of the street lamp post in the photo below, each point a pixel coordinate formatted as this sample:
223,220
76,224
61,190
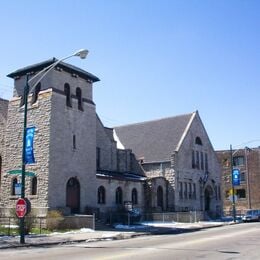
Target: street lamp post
232,185
82,54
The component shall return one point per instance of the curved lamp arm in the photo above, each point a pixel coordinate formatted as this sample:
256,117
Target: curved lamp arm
82,53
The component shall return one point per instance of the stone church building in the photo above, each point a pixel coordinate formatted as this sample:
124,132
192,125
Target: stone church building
82,166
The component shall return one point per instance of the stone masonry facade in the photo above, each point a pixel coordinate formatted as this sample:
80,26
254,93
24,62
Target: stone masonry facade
81,167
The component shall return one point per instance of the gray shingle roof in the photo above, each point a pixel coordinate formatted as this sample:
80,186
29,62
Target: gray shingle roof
65,66
154,141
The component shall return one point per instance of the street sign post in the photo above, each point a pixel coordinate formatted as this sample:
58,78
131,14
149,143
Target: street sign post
21,208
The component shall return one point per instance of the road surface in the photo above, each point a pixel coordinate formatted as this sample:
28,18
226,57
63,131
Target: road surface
240,241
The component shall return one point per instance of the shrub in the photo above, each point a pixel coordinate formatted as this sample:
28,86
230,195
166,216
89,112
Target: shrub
54,219
29,220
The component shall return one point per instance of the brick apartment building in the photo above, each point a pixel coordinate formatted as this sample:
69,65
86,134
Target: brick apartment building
247,160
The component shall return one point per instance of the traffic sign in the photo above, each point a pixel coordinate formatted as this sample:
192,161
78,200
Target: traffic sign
21,208
231,198
231,192
18,172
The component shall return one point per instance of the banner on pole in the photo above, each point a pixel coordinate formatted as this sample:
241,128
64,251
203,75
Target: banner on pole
29,156
236,177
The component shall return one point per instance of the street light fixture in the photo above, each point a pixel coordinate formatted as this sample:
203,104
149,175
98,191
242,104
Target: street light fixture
82,53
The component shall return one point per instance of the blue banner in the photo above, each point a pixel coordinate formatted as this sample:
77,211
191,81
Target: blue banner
236,177
29,156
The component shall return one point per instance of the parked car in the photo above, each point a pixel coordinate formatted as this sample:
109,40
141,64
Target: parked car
251,215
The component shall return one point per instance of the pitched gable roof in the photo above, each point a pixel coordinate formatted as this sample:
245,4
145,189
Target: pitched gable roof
154,141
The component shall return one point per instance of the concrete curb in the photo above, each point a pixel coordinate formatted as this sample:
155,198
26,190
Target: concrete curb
120,236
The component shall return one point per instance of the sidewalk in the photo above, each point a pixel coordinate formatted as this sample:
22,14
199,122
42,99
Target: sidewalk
121,232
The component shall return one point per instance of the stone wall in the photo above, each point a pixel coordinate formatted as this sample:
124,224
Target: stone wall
72,151
3,118
39,116
186,173
127,186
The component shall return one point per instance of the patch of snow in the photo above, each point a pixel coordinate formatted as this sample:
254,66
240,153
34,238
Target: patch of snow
132,227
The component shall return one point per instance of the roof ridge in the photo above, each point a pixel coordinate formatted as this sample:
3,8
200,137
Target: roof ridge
154,120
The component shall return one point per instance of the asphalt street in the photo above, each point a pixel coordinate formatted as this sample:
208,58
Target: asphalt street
240,241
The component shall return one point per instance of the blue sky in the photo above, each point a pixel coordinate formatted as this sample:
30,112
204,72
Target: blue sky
155,59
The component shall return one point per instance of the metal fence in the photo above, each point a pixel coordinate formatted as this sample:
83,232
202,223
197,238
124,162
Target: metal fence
130,219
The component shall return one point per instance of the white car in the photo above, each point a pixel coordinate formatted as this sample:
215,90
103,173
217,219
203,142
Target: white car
251,215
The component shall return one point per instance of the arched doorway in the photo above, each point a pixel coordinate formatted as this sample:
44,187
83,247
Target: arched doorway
160,197
207,198
73,195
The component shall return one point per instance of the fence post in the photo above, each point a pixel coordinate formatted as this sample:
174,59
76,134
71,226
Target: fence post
40,225
9,228
163,217
94,221
128,218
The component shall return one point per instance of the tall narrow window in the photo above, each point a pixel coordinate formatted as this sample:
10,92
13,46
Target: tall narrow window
101,195
193,164
74,141
194,191
197,159
134,196
67,93
34,186
160,197
98,157
36,93
201,160
185,190
206,162
190,191
180,190
242,176
119,196
79,98
14,182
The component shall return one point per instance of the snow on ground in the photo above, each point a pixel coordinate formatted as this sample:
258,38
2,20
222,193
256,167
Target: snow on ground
145,225
82,230
173,225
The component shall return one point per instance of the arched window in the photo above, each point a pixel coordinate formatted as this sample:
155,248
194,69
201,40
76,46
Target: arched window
34,186
67,93
36,93
79,98
160,197
119,196
101,195
134,196
198,141
14,182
